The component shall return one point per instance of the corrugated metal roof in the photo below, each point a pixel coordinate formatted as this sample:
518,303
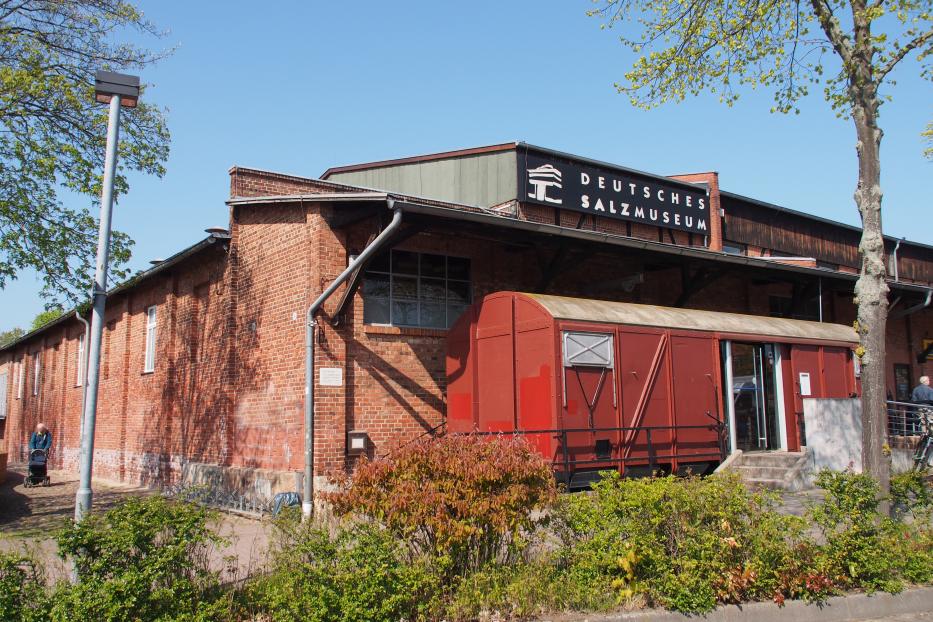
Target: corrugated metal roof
691,319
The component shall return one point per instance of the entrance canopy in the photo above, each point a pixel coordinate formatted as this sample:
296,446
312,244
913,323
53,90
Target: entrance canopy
775,329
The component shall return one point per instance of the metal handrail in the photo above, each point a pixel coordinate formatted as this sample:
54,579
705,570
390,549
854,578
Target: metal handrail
569,465
907,419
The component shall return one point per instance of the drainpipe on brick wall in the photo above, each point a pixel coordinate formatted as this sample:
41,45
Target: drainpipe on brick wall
916,307
307,501
894,261
83,364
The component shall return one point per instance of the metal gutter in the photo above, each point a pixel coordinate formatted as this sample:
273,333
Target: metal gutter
307,502
486,216
626,242
321,196
131,282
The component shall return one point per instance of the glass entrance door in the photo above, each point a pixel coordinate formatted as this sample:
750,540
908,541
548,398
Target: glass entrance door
753,397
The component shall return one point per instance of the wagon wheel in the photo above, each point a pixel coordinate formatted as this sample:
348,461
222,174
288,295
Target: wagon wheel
47,481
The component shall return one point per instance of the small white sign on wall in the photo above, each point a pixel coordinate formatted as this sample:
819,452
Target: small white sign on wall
331,377
804,384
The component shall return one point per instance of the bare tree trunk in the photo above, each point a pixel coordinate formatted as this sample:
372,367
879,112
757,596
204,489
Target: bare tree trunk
871,293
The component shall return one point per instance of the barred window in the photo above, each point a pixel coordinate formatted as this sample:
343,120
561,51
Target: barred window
403,288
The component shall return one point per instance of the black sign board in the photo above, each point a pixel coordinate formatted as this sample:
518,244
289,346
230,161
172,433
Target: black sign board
602,191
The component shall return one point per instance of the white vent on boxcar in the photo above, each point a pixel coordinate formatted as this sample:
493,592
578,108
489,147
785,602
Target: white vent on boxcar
587,349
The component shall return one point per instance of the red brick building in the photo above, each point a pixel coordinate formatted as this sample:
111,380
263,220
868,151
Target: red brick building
203,354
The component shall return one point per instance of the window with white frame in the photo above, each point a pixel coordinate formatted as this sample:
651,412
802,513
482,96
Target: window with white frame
149,364
4,381
79,362
21,379
404,288
36,372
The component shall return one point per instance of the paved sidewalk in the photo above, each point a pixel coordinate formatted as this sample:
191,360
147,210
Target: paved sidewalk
39,512
915,605
29,518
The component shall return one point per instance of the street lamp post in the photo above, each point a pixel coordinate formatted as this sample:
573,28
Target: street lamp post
118,90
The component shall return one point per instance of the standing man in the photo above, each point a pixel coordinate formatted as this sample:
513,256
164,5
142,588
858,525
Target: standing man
922,393
42,438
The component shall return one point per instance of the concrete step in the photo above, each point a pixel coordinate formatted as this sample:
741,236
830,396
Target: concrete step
783,459
778,470
753,471
759,483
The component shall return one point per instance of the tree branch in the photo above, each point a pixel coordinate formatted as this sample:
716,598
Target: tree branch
917,42
839,40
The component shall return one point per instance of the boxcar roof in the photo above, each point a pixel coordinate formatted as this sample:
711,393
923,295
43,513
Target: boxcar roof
587,310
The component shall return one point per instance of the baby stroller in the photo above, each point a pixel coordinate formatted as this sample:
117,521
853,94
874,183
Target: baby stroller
38,469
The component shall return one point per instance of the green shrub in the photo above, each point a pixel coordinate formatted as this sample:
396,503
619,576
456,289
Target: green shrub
858,551
912,536
911,492
23,595
912,549
355,574
468,500
686,543
145,559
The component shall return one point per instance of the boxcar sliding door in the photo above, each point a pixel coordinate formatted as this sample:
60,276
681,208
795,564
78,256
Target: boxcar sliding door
590,399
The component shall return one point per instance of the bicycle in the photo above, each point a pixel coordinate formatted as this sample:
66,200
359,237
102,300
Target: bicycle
925,446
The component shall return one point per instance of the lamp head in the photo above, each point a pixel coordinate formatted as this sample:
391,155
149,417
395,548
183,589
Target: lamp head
107,84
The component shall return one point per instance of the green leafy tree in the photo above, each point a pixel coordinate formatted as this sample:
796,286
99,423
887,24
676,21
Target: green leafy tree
846,47
45,317
9,336
53,135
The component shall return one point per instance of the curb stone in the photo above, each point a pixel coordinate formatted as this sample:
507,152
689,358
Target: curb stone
835,609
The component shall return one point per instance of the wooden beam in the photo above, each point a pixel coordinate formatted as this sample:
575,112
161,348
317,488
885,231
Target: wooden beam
344,216
553,269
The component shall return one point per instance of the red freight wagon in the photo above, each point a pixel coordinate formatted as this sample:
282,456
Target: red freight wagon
598,385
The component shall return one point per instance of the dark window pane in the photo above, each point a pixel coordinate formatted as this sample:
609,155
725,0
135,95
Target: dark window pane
433,316
379,263
454,312
404,262
404,313
458,268
433,290
459,293
405,287
432,265
376,310
376,285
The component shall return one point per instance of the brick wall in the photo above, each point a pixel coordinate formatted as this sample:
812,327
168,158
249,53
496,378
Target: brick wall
148,423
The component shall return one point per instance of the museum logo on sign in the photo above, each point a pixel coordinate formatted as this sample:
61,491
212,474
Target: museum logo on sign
543,179
615,193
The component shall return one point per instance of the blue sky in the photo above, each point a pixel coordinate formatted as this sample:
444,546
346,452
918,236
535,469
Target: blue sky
297,87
